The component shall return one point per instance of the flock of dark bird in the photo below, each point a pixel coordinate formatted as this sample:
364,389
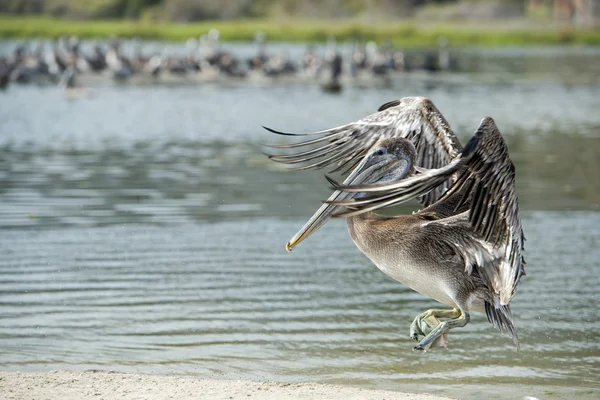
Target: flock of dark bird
71,64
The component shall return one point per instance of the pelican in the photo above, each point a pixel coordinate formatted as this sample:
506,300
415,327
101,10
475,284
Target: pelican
464,248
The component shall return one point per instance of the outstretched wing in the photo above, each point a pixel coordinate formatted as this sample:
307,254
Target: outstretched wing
486,183
414,118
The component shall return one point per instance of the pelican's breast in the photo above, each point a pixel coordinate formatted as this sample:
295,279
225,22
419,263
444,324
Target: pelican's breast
397,247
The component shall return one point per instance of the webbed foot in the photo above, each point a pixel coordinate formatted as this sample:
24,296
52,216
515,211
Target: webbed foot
425,322
438,336
440,341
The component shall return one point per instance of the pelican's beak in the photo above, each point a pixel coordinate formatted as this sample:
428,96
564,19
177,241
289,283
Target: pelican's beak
363,173
315,222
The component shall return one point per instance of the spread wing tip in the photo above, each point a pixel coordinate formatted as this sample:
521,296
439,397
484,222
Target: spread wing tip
282,133
389,104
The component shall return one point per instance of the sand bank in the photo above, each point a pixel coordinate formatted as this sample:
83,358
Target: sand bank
63,385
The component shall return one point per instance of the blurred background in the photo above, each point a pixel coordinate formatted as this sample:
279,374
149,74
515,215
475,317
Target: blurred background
584,12
142,229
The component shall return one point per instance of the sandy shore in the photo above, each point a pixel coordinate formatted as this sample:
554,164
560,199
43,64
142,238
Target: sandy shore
65,385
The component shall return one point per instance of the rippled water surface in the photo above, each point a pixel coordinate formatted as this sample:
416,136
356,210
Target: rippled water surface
142,230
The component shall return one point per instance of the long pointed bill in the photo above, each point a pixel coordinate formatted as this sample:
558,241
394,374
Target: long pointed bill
315,222
324,213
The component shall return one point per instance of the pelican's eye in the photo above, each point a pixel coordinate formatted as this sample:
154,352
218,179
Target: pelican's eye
381,151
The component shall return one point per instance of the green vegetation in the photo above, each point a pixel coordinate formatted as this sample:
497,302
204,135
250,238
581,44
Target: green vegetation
194,10
405,34
415,23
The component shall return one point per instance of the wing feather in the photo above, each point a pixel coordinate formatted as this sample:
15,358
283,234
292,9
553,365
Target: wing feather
494,205
415,118
486,182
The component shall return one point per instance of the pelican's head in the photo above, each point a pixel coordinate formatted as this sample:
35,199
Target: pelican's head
389,160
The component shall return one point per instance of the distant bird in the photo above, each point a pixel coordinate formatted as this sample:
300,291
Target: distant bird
4,76
55,61
333,85
20,70
442,60
464,249
335,63
260,59
69,84
154,66
68,78
358,59
311,63
118,65
381,59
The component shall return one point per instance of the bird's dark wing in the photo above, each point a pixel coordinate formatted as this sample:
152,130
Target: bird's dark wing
486,183
414,118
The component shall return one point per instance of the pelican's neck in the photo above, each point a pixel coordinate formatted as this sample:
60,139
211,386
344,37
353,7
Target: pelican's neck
356,226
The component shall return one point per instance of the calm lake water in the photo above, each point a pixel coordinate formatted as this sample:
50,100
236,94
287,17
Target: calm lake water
142,230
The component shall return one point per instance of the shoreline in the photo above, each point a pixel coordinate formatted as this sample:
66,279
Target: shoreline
92,384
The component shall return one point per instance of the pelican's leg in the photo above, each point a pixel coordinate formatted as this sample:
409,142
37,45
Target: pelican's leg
428,320
442,329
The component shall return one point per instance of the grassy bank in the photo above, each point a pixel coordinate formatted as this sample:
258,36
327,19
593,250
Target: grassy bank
405,34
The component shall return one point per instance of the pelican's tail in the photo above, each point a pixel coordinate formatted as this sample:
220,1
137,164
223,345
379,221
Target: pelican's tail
501,317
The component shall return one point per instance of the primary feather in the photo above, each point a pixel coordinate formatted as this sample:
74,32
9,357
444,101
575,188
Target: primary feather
414,118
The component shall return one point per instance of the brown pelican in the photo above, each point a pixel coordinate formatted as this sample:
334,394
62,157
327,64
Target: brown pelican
335,64
464,248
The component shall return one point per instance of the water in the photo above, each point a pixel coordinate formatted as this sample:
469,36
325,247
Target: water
142,230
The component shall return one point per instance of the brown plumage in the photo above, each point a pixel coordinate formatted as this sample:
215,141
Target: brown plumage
465,248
